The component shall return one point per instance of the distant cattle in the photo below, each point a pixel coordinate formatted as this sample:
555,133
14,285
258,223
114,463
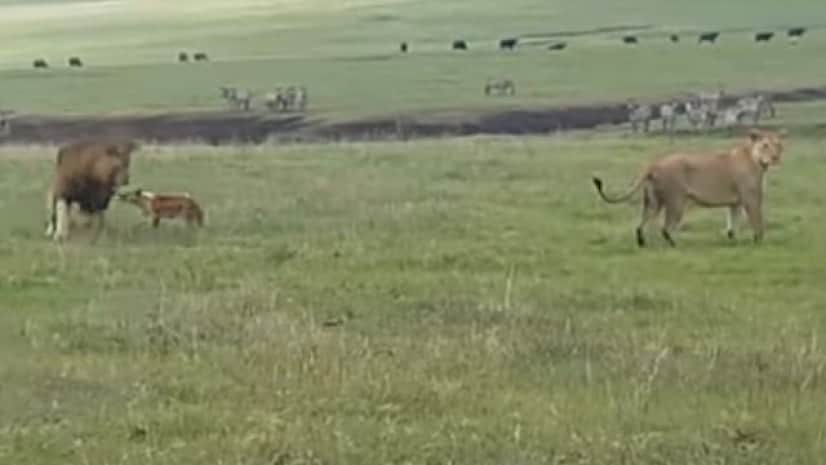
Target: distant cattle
75,62
459,45
40,63
403,47
630,40
674,38
183,57
558,46
710,37
87,173
200,56
796,31
508,44
763,36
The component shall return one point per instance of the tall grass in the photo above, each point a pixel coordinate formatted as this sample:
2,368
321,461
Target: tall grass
457,301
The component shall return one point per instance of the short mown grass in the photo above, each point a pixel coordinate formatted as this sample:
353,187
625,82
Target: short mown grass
457,301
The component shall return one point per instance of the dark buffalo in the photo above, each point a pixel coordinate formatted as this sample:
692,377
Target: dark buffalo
403,47
558,46
459,45
200,56
183,57
675,38
630,40
763,36
75,62
796,31
710,37
508,44
40,63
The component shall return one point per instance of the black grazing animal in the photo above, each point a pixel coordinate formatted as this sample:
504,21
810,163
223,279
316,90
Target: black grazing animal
558,46
200,56
508,44
40,63
710,37
459,45
75,62
403,47
630,40
796,31
763,36
675,38
183,57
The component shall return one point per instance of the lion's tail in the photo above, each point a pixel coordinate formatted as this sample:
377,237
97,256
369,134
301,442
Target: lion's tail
623,197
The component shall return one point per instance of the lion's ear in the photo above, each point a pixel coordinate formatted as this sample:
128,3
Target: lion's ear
754,135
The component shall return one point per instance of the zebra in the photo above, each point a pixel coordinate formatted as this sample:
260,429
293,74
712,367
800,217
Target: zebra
272,99
756,106
706,107
276,100
639,113
297,97
239,98
304,97
5,122
699,113
500,86
285,98
668,115
732,115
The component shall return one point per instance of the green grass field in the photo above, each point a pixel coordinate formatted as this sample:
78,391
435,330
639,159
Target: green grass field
346,52
492,310
462,301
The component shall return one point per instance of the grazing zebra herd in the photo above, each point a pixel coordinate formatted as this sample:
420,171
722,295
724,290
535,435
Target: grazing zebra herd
287,98
703,110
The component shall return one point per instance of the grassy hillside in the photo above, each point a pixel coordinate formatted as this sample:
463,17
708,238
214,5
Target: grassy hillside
347,52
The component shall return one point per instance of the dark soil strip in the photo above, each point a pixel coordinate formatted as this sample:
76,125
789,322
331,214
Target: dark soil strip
233,127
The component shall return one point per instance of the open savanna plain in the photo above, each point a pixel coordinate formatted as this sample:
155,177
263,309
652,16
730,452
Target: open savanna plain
456,301
430,301
347,52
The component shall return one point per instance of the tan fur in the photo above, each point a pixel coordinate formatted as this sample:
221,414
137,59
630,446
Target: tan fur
732,179
87,173
166,205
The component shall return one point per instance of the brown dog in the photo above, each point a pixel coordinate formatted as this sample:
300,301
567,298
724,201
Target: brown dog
159,206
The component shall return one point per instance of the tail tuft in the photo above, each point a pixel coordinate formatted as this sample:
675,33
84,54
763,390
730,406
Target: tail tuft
598,183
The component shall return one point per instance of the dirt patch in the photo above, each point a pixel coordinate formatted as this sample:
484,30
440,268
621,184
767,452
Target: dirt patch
218,128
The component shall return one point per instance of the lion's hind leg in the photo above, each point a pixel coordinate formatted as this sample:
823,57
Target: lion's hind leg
674,208
651,207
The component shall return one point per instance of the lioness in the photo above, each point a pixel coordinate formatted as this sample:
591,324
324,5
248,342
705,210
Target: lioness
732,179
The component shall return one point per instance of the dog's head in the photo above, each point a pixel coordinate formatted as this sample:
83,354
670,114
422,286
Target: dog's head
133,196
